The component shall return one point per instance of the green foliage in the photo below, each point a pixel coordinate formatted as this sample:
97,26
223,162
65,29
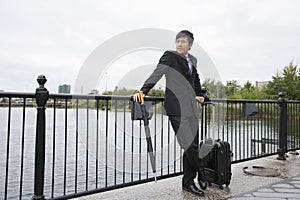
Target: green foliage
288,81
156,92
215,89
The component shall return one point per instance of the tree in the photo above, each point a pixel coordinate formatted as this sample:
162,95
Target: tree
215,89
233,89
156,92
288,81
247,91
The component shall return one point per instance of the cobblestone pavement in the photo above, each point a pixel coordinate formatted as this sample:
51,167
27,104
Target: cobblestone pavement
286,189
242,186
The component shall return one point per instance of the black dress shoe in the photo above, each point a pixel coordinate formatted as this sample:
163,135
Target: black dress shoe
193,189
201,180
203,184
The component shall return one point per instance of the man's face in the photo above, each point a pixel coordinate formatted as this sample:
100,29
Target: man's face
182,45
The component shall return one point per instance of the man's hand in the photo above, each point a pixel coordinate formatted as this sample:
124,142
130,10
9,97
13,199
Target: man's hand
200,99
136,97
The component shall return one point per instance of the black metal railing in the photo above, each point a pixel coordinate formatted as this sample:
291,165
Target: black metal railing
90,144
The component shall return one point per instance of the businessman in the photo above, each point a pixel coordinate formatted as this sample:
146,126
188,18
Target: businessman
183,90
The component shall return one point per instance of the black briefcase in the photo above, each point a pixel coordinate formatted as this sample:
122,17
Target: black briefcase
136,112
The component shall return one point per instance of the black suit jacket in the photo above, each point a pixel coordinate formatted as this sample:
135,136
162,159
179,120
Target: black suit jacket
181,86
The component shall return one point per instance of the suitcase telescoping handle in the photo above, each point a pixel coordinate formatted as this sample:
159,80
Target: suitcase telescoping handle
206,134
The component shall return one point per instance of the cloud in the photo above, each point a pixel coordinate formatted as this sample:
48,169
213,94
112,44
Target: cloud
247,40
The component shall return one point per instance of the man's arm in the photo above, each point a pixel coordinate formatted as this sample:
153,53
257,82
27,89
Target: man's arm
160,70
198,88
154,78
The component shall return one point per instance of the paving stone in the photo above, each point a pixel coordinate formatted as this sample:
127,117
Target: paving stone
283,185
295,182
297,185
256,198
285,190
265,190
276,195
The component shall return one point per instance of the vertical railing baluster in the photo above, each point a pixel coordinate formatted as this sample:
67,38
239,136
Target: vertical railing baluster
168,146
174,153
76,146
259,130
290,129
265,122
227,123
124,141
276,126
106,142
235,116
115,147
22,149
256,133
155,123
7,147
217,117
251,135
249,140
97,140
231,129
162,142
132,147
224,123
66,146
269,125
245,140
298,124
240,132
87,147
53,148
140,150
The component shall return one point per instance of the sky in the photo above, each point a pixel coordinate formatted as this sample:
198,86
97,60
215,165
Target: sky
245,39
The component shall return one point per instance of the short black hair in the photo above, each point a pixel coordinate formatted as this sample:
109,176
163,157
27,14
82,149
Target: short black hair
186,33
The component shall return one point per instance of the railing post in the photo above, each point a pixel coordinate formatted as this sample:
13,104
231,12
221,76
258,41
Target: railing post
42,96
282,127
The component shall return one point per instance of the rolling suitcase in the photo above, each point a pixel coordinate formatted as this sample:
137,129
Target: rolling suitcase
217,158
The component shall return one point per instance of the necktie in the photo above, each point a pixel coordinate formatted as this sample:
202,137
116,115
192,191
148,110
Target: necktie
190,65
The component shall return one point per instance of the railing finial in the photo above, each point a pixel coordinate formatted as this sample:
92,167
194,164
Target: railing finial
41,79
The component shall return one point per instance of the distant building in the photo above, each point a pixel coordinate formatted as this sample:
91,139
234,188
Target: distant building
94,92
64,89
1,99
261,84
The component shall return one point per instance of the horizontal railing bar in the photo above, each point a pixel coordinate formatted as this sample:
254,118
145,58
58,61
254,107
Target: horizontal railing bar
78,96
242,101
17,95
116,97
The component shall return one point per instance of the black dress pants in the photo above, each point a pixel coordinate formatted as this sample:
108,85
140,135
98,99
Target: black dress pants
186,130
